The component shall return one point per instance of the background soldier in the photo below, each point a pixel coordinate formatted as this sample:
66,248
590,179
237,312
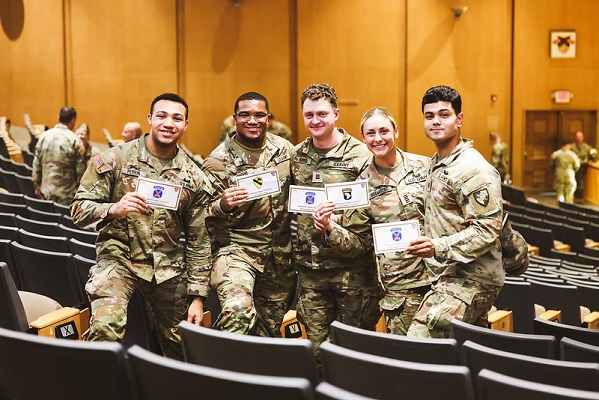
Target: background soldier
500,157
90,150
58,162
585,153
462,223
252,272
332,285
565,163
139,246
131,131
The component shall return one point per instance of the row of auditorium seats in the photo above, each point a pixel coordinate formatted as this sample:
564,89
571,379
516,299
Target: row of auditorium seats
483,365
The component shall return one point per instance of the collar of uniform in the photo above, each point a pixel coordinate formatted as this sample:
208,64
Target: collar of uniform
459,149
338,149
237,152
144,154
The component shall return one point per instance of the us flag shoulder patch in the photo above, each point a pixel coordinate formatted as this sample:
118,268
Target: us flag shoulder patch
98,161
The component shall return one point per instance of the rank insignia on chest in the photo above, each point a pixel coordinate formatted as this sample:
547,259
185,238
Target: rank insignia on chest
482,197
257,181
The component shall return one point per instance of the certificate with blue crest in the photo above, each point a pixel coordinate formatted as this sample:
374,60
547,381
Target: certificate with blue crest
260,184
394,236
159,193
304,199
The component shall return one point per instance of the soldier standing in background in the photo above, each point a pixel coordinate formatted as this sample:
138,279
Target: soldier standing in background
500,157
139,246
565,163
332,285
90,150
585,153
58,162
131,131
462,223
253,272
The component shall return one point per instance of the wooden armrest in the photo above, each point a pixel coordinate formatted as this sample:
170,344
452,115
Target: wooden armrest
552,315
562,247
501,320
533,250
592,320
53,317
207,319
291,327
68,323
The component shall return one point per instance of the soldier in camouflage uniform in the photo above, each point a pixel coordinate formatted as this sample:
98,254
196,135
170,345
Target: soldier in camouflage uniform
58,162
565,163
396,180
585,152
90,150
253,273
332,285
500,157
462,223
139,246
274,127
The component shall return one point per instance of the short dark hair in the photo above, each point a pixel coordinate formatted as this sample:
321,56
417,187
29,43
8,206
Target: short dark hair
170,97
66,115
250,96
443,93
319,91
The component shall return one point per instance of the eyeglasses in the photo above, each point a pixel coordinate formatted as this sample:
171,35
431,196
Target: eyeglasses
246,116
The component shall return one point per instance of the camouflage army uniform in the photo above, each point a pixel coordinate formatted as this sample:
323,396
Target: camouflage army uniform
462,216
144,249
58,164
565,163
584,155
396,194
253,273
500,158
332,285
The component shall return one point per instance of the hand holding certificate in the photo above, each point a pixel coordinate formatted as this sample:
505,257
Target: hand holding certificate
159,193
260,184
394,236
345,195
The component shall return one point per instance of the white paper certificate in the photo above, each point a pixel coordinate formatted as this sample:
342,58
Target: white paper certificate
260,184
394,236
304,199
348,195
159,193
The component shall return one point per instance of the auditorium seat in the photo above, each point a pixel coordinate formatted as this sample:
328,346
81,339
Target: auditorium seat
559,331
573,350
326,391
517,297
536,345
35,367
574,375
495,386
39,204
426,350
157,378
235,352
43,242
386,378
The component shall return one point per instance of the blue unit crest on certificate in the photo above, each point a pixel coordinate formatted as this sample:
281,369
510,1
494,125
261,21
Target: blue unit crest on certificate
396,234
310,197
157,192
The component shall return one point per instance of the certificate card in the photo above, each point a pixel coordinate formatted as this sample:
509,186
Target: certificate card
260,184
159,193
303,199
394,236
348,195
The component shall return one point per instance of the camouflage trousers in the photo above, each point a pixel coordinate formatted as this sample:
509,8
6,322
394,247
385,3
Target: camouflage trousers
252,302
110,288
399,307
451,297
348,295
565,189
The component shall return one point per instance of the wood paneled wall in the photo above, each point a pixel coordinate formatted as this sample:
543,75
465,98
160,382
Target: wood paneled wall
109,59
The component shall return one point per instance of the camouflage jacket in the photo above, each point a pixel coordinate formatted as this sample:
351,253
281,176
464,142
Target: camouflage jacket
260,227
343,163
583,151
58,164
500,158
463,216
149,243
90,152
565,163
396,194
